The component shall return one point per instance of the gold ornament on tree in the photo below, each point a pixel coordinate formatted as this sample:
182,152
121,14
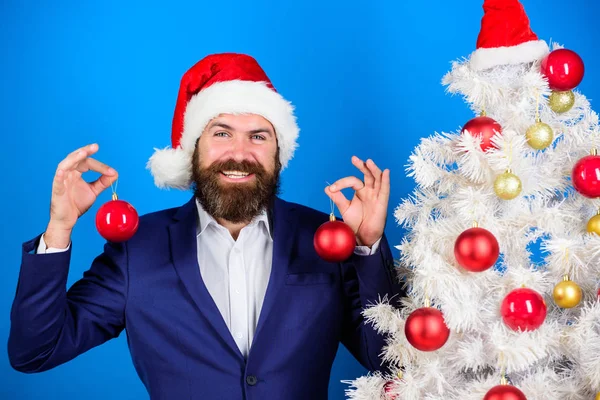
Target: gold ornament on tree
567,294
507,186
593,225
539,135
561,102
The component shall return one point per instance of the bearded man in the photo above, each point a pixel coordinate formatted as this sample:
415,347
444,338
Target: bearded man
225,296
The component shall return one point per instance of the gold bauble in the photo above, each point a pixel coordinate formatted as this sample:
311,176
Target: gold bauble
539,135
567,294
507,186
561,102
598,396
593,225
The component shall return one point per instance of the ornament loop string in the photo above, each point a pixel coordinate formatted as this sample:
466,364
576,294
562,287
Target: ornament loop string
537,106
114,189
331,201
483,113
566,261
503,380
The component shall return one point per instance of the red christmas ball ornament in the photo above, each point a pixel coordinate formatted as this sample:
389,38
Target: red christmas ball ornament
388,389
476,249
484,128
425,329
563,68
117,220
504,392
334,241
586,175
523,309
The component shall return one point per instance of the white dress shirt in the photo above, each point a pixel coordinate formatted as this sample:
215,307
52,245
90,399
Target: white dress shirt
235,272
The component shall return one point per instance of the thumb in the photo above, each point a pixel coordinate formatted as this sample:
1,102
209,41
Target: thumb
338,198
102,183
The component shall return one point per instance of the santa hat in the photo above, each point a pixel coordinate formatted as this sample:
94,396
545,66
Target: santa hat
505,37
220,84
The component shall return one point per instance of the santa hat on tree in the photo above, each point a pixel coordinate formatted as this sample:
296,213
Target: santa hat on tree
220,84
505,37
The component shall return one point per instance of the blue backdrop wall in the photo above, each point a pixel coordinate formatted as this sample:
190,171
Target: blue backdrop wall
364,76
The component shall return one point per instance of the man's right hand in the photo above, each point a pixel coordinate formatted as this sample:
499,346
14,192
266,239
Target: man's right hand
72,196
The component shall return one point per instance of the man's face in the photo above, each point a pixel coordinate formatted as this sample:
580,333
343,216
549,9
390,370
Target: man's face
236,166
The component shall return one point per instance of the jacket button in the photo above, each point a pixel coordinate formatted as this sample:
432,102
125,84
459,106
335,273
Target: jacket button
251,380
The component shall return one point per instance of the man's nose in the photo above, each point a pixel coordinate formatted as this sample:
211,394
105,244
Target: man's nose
240,149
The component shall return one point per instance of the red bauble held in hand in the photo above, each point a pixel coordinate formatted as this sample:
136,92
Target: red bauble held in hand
426,330
563,68
476,249
117,220
586,175
484,128
504,392
334,241
523,309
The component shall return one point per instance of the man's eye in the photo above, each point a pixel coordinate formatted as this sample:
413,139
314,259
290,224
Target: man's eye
221,133
258,137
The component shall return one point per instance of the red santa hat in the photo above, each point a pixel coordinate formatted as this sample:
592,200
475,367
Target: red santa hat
220,84
505,37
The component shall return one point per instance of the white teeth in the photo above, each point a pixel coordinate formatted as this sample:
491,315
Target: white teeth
235,174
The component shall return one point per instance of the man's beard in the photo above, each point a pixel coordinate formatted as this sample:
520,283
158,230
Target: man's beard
234,202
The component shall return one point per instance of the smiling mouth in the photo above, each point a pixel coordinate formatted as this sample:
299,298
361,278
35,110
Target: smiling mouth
235,174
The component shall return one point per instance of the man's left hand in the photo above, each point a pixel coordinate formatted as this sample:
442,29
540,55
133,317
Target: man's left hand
366,213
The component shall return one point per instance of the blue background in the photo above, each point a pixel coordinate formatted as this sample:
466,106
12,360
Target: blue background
364,76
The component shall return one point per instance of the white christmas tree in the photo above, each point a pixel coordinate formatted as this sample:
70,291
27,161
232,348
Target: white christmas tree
502,253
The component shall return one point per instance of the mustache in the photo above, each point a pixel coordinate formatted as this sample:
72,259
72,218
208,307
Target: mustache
242,166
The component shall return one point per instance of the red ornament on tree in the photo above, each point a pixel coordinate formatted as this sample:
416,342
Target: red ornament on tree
586,175
484,128
563,68
476,249
523,309
425,329
334,241
504,392
388,389
117,220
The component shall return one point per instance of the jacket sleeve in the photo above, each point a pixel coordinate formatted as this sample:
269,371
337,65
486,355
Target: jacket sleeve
366,280
50,325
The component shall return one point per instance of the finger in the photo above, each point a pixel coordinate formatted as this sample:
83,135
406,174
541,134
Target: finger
376,174
369,179
338,198
58,185
89,149
71,161
347,182
91,164
100,184
384,193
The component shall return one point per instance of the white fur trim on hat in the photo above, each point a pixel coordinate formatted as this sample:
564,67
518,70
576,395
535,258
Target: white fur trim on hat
484,58
172,167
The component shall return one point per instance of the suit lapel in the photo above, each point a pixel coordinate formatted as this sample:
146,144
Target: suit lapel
284,232
182,236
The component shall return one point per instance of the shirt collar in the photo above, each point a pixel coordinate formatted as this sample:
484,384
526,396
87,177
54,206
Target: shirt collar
205,219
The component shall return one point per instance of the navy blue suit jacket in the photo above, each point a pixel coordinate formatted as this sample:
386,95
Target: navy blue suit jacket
180,346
